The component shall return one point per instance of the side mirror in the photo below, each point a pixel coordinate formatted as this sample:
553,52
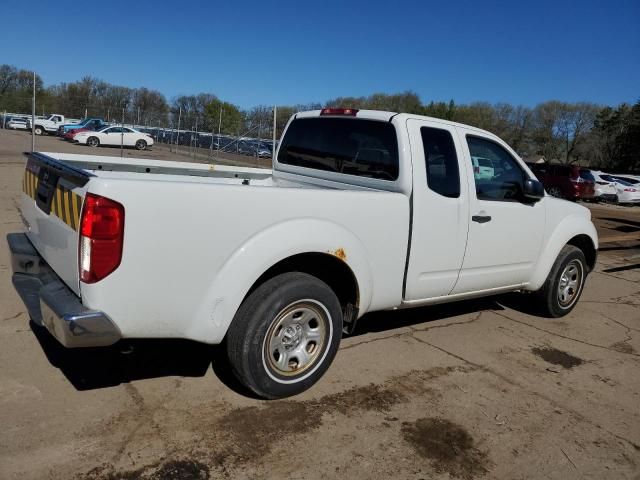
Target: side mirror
533,190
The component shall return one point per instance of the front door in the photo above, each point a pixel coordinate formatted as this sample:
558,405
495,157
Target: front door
505,231
440,210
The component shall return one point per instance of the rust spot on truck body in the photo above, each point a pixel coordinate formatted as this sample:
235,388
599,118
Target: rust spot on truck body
340,253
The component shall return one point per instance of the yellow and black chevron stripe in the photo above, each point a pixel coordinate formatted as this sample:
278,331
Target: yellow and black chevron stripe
65,204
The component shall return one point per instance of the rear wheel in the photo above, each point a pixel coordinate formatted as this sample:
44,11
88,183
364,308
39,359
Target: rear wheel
285,335
93,142
565,283
141,145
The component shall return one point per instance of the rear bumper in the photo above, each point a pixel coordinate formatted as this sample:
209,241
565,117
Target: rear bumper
52,304
607,197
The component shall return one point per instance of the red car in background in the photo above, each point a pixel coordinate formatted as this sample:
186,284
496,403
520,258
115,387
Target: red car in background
69,135
565,181
92,126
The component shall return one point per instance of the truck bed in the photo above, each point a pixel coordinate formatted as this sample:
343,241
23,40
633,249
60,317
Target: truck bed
112,167
196,237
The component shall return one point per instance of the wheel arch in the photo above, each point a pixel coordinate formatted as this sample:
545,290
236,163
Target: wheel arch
320,248
574,230
584,243
329,268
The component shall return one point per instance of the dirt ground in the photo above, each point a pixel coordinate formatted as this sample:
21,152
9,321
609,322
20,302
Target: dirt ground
478,389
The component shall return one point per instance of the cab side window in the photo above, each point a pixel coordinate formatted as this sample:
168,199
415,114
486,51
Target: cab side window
443,176
497,175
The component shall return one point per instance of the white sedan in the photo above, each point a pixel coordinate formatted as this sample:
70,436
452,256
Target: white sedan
115,136
626,192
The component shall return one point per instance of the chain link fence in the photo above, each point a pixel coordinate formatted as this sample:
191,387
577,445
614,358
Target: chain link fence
194,134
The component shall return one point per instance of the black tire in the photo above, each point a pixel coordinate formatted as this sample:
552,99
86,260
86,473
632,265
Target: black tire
551,294
93,142
261,323
38,130
141,145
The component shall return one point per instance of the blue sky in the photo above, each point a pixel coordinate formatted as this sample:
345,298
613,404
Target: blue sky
287,52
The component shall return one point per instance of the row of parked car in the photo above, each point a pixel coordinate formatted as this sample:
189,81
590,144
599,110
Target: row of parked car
577,183
95,132
141,138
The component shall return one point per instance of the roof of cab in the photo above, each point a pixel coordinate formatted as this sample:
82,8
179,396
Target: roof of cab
388,116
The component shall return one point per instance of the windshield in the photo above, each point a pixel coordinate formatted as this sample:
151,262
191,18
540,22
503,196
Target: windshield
365,148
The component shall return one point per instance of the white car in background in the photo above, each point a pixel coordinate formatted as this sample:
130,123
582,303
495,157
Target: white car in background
604,190
17,124
625,191
482,168
115,136
632,179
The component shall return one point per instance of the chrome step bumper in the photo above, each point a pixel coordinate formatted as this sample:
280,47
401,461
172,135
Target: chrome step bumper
52,304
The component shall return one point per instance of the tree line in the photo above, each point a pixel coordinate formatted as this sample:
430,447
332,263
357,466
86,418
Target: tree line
582,133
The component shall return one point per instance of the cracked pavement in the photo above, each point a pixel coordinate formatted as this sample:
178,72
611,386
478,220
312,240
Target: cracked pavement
449,391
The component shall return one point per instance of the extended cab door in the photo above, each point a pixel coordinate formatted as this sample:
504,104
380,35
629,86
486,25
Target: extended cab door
505,230
440,210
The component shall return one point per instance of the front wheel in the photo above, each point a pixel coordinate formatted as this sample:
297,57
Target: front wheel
141,145
285,335
565,283
38,130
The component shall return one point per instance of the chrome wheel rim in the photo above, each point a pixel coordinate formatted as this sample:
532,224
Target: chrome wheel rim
92,142
570,283
140,145
296,339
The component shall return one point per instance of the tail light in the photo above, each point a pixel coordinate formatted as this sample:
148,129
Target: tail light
101,237
630,190
349,112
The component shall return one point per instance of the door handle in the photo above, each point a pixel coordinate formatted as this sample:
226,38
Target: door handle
481,218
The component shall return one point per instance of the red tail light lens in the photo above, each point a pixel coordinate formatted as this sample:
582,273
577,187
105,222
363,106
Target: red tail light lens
101,237
349,112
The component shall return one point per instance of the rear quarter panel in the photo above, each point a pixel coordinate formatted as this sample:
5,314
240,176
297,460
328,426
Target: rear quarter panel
192,251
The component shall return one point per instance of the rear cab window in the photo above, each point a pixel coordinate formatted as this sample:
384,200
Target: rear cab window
441,160
360,147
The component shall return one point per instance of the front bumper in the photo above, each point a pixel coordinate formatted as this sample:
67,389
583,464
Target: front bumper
52,304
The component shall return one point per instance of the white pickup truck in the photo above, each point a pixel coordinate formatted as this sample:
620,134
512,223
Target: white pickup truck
49,124
363,211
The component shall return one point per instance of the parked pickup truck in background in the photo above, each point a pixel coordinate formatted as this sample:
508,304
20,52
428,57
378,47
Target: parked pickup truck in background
47,125
363,211
89,123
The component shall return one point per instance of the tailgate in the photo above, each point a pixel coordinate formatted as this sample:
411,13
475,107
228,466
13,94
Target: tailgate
50,205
